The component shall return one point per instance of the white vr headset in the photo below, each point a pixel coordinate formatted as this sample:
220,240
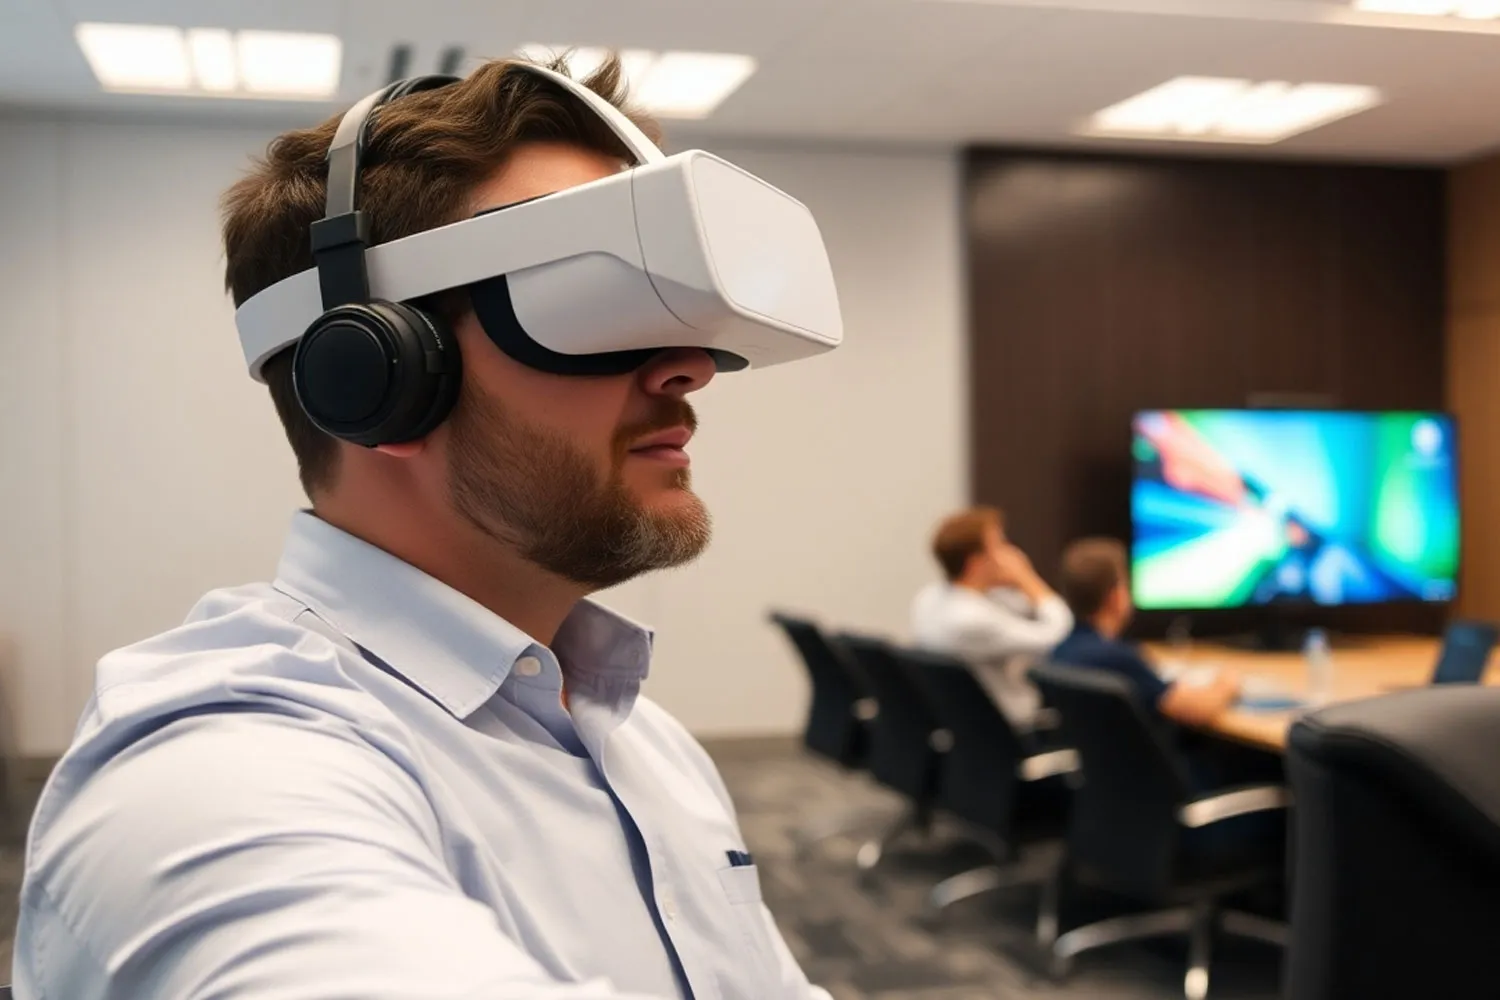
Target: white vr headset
680,251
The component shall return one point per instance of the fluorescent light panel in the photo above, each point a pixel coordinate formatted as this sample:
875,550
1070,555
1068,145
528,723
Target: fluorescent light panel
212,62
1474,10
669,84
1210,109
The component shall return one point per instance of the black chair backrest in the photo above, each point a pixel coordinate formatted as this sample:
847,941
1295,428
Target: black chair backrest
1466,652
902,755
833,728
1396,840
978,780
1123,831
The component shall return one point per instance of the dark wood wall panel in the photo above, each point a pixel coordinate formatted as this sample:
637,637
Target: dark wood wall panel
1099,286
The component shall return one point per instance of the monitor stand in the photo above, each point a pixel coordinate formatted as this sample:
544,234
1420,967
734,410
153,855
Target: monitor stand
1278,632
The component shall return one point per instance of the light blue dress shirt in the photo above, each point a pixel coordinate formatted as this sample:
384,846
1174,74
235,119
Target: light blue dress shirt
355,783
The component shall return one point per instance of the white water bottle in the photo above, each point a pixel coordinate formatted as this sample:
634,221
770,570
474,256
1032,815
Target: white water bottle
1319,666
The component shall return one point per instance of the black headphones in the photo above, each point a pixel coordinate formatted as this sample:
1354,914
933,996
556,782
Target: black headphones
369,371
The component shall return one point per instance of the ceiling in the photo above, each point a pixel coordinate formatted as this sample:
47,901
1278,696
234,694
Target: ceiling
924,71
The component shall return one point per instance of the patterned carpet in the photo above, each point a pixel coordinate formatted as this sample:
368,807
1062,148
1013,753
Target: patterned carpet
871,943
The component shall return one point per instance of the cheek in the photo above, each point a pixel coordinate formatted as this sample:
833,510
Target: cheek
586,411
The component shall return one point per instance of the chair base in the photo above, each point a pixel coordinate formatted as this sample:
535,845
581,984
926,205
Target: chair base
870,853
1037,866
1197,921
851,822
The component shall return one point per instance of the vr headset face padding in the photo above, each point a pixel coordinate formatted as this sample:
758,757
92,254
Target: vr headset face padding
377,373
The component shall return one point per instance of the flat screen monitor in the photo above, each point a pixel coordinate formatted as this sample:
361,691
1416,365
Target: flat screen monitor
1235,508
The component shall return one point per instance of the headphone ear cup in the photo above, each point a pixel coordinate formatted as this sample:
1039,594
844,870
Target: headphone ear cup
377,373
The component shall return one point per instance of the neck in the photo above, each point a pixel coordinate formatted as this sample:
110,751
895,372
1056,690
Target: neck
974,582
1107,625
447,547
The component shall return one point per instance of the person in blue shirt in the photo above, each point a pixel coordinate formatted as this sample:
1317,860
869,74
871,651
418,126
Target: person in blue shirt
1096,585
417,764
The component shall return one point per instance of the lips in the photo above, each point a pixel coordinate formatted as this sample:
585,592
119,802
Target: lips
665,447
674,438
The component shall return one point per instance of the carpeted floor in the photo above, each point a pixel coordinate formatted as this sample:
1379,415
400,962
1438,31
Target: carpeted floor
870,942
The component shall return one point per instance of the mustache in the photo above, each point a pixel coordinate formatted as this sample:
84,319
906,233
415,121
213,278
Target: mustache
665,414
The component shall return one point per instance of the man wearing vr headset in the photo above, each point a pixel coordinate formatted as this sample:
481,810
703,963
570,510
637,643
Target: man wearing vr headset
417,764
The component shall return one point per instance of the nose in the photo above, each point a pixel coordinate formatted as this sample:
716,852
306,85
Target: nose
677,372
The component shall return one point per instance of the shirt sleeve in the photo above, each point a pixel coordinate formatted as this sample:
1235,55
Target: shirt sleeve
992,630
251,854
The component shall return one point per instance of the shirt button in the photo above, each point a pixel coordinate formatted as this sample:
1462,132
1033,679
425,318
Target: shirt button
528,666
668,905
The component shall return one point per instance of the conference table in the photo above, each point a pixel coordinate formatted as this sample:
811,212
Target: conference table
1363,667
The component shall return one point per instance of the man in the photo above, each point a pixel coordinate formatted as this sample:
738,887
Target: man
417,764
1096,586
993,610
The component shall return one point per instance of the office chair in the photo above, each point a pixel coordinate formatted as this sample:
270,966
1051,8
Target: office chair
841,708
906,743
1137,829
1396,847
838,718
1008,793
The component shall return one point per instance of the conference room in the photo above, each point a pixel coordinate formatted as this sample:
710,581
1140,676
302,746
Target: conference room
671,500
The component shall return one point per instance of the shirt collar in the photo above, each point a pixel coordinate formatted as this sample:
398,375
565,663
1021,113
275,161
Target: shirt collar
452,648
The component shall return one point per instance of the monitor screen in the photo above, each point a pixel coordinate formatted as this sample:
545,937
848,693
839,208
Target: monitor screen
1245,507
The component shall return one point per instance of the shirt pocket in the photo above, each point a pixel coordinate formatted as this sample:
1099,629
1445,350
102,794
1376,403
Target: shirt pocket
759,975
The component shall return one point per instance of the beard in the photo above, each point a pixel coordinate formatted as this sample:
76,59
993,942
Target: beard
532,489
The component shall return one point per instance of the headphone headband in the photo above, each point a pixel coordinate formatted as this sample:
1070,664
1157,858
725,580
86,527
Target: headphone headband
340,238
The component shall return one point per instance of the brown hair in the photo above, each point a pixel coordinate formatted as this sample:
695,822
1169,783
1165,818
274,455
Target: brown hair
425,155
1091,570
961,536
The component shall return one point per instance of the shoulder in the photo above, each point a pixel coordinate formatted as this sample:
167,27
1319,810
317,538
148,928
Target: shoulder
246,661
244,645
1089,650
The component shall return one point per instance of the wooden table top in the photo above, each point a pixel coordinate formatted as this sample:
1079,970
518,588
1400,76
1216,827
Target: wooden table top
1363,666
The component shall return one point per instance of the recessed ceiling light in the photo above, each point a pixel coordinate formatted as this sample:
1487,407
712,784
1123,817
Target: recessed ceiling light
136,56
583,60
1209,109
1476,10
670,84
692,84
289,64
214,64
211,62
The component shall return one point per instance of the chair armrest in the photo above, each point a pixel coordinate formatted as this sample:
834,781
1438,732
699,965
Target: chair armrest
1234,802
1045,765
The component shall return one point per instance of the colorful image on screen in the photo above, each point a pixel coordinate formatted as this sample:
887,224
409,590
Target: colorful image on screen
1242,507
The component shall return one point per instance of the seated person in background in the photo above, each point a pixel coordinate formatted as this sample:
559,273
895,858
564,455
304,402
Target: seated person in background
993,611
1096,586
1097,589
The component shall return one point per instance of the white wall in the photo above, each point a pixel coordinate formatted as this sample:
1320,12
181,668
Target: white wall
142,467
